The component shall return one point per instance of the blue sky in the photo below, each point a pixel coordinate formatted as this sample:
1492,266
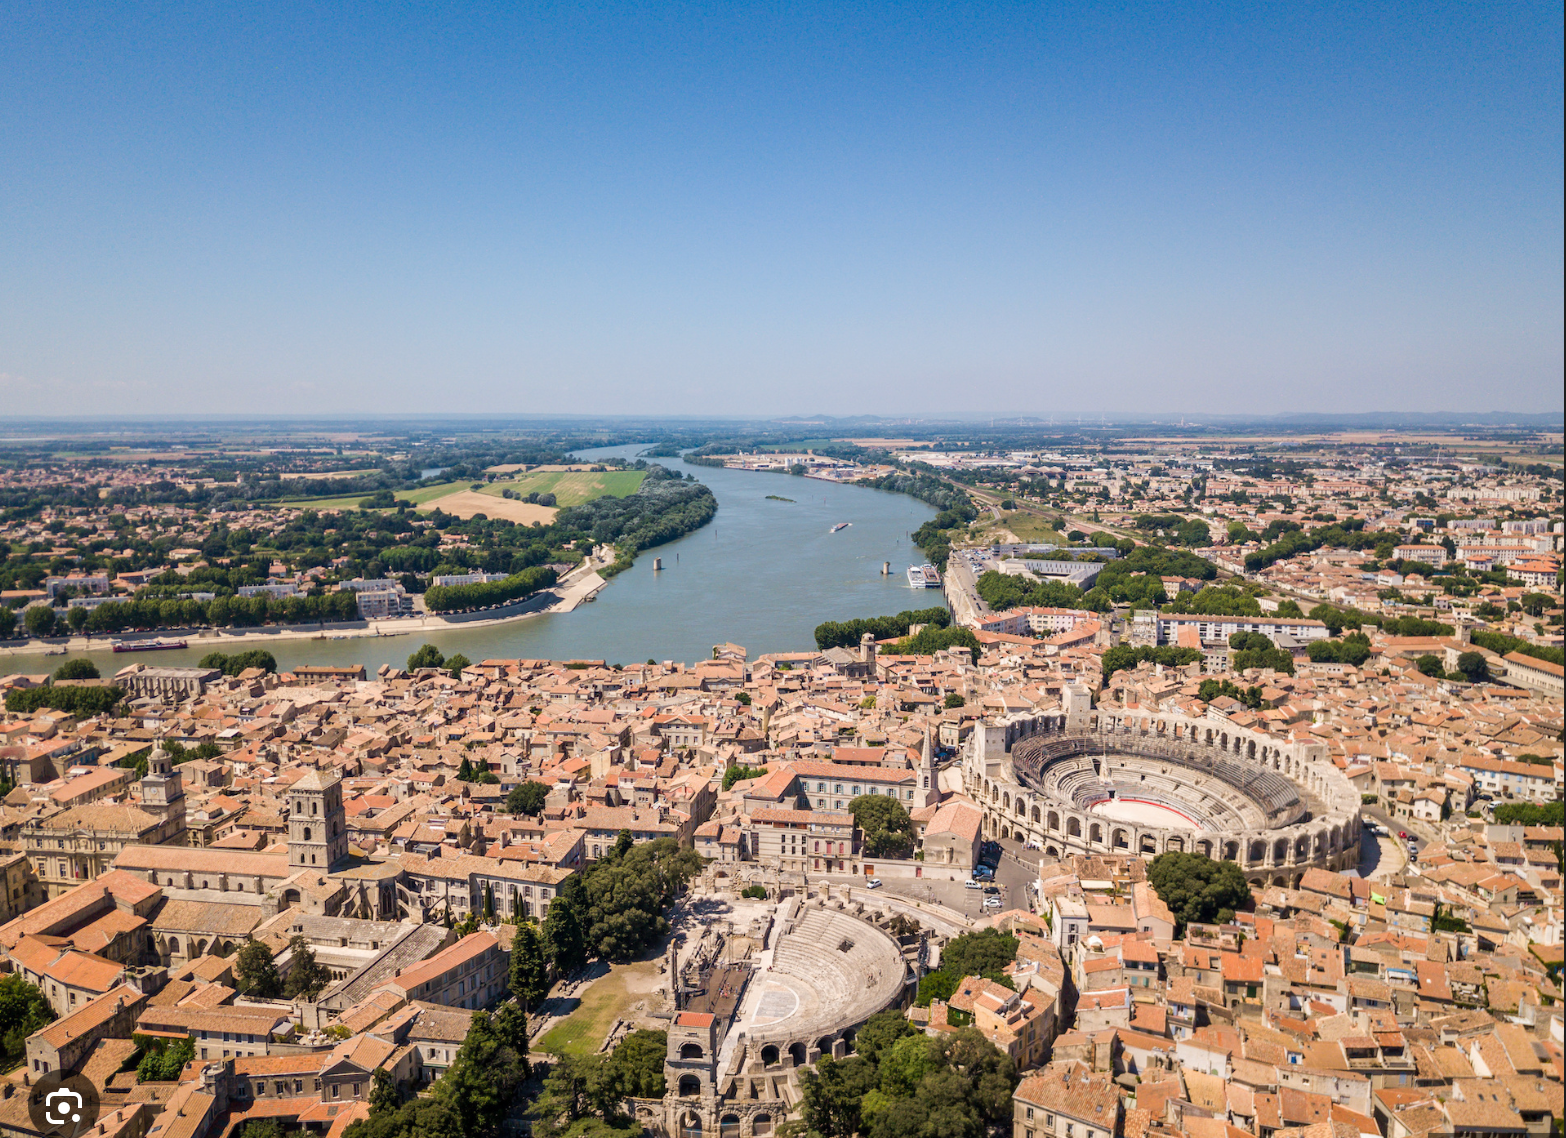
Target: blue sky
761,210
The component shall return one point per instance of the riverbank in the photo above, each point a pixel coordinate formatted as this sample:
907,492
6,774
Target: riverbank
762,573
576,588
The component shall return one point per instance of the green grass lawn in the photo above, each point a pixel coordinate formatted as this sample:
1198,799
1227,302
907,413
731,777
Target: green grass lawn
351,501
571,488
429,493
583,1031
1032,528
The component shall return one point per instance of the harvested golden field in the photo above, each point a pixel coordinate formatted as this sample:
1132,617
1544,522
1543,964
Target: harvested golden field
466,503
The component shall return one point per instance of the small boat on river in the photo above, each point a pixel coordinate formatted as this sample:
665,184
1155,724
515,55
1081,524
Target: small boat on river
147,645
841,525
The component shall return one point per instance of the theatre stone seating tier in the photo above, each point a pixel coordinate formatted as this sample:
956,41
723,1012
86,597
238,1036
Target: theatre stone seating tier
829,973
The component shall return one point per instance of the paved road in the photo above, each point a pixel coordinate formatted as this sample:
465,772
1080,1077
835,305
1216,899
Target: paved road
950,894
908,895
1394,850
962,594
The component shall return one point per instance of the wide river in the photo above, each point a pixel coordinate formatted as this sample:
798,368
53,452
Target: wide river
762,574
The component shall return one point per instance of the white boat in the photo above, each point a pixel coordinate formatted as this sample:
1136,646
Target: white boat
923,577
840,525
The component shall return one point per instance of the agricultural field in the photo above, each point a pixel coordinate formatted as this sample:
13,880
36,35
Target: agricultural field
571,488
351,501
465,503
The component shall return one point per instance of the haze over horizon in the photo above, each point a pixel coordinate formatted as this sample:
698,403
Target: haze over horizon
732,211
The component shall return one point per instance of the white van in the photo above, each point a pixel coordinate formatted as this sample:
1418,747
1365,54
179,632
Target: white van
971,884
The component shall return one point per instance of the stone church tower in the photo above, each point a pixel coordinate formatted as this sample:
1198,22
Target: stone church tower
163,790
317,829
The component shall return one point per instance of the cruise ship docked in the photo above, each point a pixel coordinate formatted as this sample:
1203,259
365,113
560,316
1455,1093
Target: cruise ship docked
923,577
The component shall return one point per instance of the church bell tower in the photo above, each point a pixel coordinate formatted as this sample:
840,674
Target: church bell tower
317,828
163,790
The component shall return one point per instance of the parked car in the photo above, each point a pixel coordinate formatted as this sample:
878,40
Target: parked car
971,883
1403,834
872,883
992,888
992,902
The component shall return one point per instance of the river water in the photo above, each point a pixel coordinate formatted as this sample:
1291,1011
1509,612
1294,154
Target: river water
762,574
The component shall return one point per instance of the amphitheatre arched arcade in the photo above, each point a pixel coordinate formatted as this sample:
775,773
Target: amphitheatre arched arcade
1129,782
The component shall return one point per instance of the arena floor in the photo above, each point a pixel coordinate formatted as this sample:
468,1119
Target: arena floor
1142,813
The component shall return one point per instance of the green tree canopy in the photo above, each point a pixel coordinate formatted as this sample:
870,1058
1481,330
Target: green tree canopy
306,975
256,971
240,661
23,1010
163,1060
81,701
1353,649
847,633
565,933
956,1086
739,773
936,985
78,669
528,798
880,1031
39,620
529,970
1531,814
384,1096
426,656
982,953
628,892
888,831
637,1061
1198,889
1474,667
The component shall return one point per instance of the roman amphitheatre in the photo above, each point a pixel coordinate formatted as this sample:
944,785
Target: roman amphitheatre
1084,781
